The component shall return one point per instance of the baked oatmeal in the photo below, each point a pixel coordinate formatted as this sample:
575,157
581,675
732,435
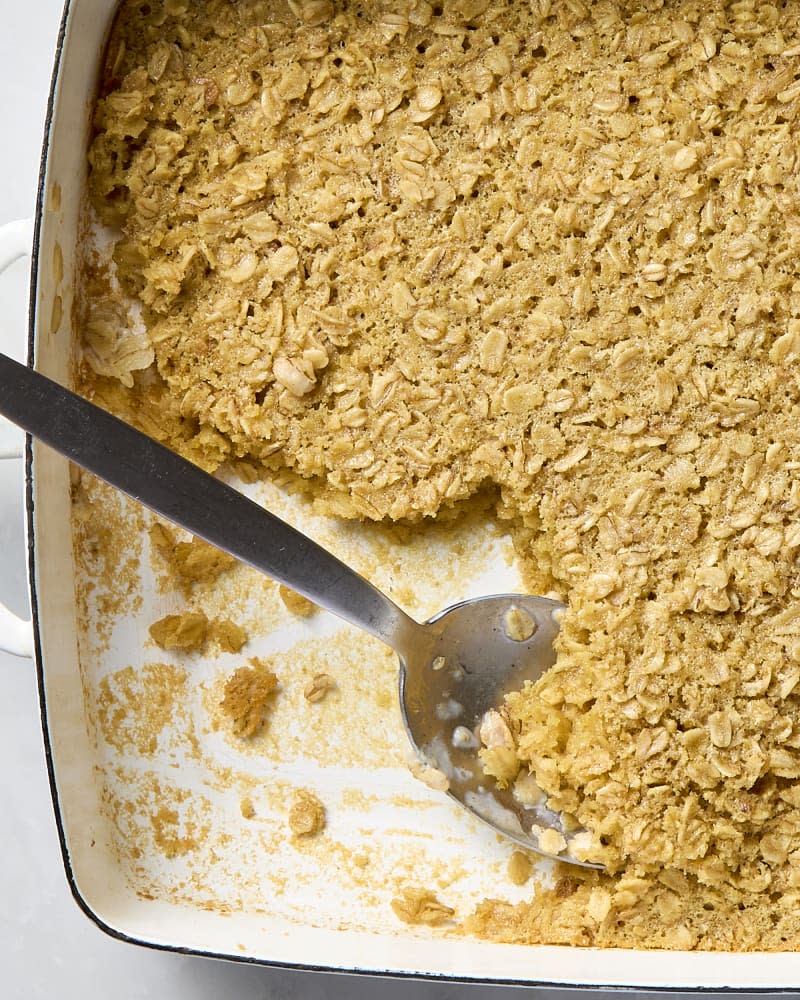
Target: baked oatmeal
412,251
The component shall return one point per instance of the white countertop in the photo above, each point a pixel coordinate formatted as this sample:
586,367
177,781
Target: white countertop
48,948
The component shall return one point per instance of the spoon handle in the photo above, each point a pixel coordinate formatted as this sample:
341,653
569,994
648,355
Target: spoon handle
184,494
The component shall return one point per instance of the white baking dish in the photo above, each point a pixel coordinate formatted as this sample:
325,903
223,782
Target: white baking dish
318,926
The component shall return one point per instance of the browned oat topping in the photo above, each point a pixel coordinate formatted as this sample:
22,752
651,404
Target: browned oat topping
406,251
229,636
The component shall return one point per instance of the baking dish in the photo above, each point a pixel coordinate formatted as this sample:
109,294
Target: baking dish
97,880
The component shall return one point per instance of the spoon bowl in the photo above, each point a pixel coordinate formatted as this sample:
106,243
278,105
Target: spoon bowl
476,652
454,669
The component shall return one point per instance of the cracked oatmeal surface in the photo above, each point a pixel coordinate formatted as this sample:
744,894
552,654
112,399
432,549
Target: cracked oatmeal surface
406,251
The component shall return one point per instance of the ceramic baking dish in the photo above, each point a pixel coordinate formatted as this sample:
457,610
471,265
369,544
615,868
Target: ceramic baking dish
245,896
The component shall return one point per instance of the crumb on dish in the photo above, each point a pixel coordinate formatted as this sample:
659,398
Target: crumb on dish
307,814
247,698
187,631
296,603
318,688
190,631
421,906
193,562
519,868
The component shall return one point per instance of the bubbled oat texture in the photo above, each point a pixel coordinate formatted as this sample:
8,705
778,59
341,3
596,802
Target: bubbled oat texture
407,251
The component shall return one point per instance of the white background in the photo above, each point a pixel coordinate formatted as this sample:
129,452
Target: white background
47,947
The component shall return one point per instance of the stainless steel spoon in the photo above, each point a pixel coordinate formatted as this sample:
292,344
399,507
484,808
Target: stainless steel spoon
453,668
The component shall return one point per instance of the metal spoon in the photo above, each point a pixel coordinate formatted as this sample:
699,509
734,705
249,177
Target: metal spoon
453,668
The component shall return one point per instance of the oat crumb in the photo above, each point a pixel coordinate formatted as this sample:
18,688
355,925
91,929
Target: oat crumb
421,906
499,753
318,688
519,867
248,696
192,562
185,631
307,814
296,603
229,636
552,841
191,630
519,625
433,777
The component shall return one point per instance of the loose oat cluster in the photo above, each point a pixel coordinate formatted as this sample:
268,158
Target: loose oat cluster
249,694
307,814
421,906
408,250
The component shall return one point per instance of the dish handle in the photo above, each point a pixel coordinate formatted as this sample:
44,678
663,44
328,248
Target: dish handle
16,635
